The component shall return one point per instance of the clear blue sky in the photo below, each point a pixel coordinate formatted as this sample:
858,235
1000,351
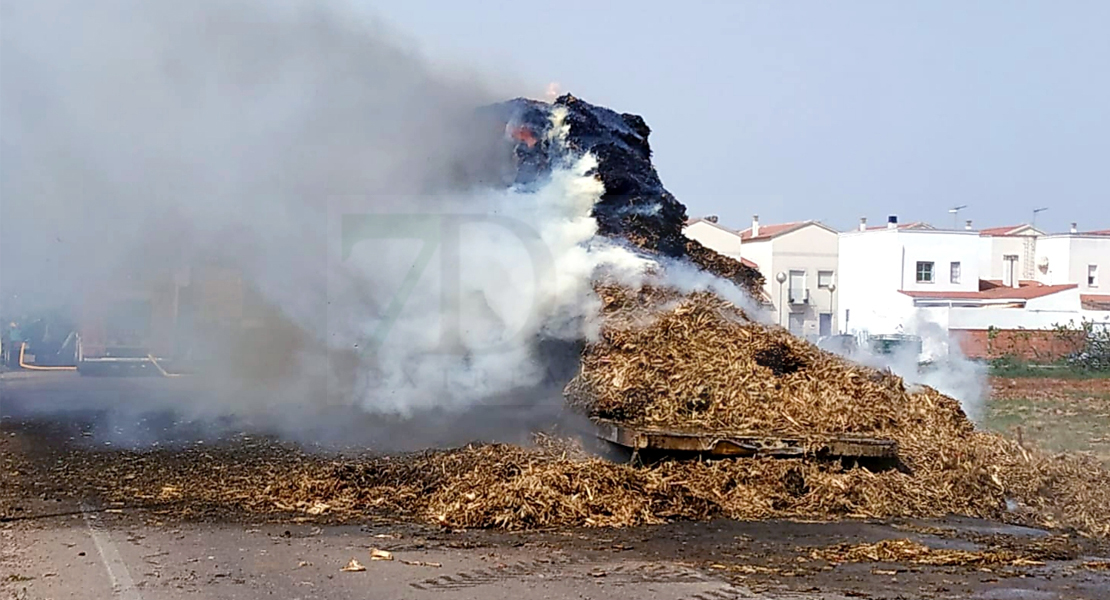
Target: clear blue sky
825,110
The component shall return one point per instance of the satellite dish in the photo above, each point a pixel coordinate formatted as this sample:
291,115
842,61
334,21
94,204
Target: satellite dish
1042,263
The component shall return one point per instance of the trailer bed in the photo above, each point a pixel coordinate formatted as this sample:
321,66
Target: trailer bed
726,444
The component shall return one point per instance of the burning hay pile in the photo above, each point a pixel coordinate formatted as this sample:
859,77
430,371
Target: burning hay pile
664,358
635,206
698,361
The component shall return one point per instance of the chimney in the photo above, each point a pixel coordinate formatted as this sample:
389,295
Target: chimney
1010,274
711,218
892,222
755,225
967,225
863,223
1075,227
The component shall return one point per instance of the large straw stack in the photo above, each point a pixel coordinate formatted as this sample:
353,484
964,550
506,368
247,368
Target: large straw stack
697,361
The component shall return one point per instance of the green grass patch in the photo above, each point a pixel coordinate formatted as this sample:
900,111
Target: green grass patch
1070,424
1008,367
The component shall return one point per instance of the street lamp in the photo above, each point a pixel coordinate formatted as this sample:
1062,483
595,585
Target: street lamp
781,278
832,305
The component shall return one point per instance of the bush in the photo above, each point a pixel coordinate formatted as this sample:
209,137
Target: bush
1095,356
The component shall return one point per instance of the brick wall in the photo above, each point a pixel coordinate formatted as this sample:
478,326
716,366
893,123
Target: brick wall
1025,344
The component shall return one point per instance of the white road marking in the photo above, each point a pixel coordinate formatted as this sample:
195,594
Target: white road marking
118,575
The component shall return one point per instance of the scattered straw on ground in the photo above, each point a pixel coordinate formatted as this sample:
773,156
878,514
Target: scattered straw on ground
517,488
693,361
908,551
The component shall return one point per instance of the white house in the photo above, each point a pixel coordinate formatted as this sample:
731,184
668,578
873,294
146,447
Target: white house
721,239
1008,254
714,236
975,286
1082,258
804,253
877,264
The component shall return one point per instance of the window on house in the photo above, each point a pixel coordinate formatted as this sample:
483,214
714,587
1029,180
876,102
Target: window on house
824,279
954,272
1092,275
924,272
798,286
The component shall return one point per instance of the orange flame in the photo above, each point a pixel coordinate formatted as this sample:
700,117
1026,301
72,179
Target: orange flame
523,134
553,90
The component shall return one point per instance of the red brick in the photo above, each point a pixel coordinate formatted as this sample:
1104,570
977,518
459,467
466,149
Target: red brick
1025,344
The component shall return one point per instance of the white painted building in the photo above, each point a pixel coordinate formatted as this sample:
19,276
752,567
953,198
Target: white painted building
804,255
1082,258
804,252
1028,307
878,264
714,236
915,279
1008,253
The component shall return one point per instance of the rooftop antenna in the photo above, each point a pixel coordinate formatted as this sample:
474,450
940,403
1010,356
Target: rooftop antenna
955,210
1035,211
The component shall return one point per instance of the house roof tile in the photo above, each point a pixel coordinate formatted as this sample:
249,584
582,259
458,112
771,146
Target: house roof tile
995,293
767,232
1008,230
1095,301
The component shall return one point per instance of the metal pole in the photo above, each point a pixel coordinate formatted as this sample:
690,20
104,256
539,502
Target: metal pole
781,278
782,304
1035,211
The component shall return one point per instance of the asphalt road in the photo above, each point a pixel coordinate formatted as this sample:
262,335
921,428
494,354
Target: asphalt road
104,555
59,547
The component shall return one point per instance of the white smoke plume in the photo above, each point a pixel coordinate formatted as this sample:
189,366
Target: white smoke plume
143,135
940,364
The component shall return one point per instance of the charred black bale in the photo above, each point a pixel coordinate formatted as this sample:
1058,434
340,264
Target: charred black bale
635,206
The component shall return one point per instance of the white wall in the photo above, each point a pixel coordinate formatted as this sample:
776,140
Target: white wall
809,249
993,248
1045,312
1009,318
715,238
870,265
1090,250
1068,257
941,248
876,265
1067,300
759,252
1096,316
1056,251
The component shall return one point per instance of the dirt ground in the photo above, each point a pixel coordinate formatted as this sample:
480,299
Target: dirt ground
61,540
1056,414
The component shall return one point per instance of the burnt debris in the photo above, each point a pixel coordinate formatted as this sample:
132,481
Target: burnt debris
635,207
